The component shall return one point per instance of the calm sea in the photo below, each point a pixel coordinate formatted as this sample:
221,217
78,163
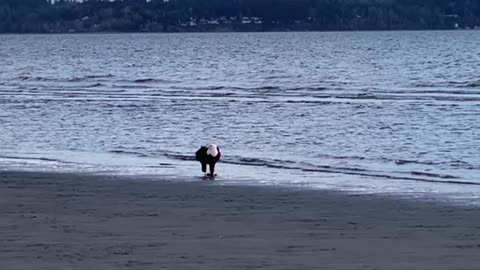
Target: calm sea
387,112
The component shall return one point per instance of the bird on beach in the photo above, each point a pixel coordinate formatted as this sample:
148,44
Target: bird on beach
208,155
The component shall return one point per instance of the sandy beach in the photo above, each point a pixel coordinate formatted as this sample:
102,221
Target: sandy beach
68,221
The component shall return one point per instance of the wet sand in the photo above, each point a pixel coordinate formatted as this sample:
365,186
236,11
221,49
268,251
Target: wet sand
67,221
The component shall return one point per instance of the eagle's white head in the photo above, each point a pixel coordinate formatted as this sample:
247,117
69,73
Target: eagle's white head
212,150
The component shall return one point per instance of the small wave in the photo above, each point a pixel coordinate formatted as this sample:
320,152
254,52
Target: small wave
88,77
267,88
34,78
127,152
273,90
134,86
273,77
400,162
341,157
424,85
454,84
438,84
404,161
215,87
453,164
179,156
443,176
152,80
35,159
308,88
51,79
474,84
208,88
306,167
94,85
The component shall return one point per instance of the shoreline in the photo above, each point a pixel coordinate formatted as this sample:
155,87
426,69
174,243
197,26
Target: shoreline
233,32
82,221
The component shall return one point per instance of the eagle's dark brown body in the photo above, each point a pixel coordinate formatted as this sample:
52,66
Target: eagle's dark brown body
208,155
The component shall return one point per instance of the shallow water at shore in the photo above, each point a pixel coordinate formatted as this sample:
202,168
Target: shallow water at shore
371,111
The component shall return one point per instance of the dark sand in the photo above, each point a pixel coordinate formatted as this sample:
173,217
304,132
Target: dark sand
61,221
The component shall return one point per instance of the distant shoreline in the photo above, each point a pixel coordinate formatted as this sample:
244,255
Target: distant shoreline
233,15
231,32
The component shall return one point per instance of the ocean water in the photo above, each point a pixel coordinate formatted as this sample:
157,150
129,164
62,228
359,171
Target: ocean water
381,112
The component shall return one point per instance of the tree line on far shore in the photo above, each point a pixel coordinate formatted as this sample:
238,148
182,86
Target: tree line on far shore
43,16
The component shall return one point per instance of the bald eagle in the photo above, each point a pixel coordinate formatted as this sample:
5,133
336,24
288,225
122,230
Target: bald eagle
208,154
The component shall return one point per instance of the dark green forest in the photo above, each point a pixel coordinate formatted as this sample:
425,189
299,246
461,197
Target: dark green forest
43,16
